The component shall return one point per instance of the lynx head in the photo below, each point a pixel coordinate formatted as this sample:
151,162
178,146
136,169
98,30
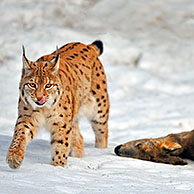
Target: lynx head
40,83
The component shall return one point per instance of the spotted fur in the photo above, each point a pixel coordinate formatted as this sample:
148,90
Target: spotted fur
55,91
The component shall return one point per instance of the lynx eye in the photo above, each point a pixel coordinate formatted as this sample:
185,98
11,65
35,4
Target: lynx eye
32,85
48,86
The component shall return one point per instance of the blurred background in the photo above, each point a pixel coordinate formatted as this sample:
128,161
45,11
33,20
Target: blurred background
160,31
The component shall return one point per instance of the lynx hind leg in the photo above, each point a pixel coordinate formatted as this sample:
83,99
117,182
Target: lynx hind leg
101,134
100,117
99,121
77,143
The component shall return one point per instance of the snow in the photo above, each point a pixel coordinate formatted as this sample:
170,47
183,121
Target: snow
148,58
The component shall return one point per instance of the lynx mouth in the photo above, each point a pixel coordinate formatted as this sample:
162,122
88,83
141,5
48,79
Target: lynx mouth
40,104
41,101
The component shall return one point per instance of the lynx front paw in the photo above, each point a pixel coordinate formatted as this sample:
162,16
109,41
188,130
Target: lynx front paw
59,159
15,158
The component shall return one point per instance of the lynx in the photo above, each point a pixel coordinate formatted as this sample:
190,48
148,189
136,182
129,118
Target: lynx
55,91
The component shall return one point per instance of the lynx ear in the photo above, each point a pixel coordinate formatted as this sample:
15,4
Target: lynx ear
26,62
56,61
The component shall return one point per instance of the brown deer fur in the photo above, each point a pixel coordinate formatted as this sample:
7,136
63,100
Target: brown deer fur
171,149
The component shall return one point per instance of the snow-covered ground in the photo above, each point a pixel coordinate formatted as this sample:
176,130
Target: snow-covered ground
148,58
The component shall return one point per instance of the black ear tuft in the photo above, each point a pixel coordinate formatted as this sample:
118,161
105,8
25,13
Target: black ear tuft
99,45
24,55
23,49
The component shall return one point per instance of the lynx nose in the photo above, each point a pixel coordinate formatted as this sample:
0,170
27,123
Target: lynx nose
41,100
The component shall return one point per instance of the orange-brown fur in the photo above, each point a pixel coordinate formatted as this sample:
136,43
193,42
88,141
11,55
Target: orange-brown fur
171,149
72,84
